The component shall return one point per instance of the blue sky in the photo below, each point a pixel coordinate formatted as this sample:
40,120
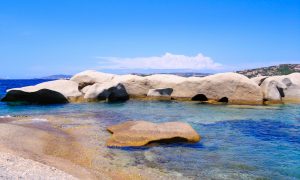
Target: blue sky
44,37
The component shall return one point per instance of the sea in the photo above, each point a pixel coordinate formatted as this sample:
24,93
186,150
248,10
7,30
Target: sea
238,141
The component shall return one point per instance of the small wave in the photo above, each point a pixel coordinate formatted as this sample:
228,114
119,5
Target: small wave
6,116
39,120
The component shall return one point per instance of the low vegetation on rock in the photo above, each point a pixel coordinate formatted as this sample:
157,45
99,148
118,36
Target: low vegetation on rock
282,69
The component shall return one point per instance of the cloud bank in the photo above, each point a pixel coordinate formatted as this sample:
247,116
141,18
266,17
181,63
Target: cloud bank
166,61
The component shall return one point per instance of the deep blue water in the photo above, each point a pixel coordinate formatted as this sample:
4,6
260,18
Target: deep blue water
238,142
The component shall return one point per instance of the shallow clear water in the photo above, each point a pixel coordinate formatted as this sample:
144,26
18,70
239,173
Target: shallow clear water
238,142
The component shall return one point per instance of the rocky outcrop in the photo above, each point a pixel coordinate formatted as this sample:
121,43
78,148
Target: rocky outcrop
236,88
58,91
106,91
224,87
281,88
141,133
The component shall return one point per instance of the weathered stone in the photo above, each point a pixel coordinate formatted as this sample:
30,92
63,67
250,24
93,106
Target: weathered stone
140,133
236,88
282,88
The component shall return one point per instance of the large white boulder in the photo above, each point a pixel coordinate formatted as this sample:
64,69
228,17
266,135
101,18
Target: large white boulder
292,93
231,87
282,88
57,91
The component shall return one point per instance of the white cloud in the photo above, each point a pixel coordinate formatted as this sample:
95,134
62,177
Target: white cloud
167,61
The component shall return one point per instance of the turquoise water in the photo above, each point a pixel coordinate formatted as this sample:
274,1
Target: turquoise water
238,142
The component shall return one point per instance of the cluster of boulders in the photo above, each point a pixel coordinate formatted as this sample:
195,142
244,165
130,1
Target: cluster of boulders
224,87
280,88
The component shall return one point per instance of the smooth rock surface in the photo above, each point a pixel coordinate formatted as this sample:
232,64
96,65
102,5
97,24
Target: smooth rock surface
282,88
238,89
292,93
140,133
85,89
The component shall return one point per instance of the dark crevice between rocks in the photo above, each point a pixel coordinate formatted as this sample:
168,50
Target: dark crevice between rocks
281,92
199,97
43,96
114,94
168,141
262,80
84,84
223,100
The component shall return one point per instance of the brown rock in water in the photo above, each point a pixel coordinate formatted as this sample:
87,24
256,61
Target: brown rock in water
140,133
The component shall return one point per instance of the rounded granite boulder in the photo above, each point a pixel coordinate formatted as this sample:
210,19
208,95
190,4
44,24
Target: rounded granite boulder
141,133
284,88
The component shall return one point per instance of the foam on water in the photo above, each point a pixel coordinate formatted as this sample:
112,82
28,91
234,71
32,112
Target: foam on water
5,116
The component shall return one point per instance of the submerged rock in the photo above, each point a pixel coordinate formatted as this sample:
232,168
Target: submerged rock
141,133
58,91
